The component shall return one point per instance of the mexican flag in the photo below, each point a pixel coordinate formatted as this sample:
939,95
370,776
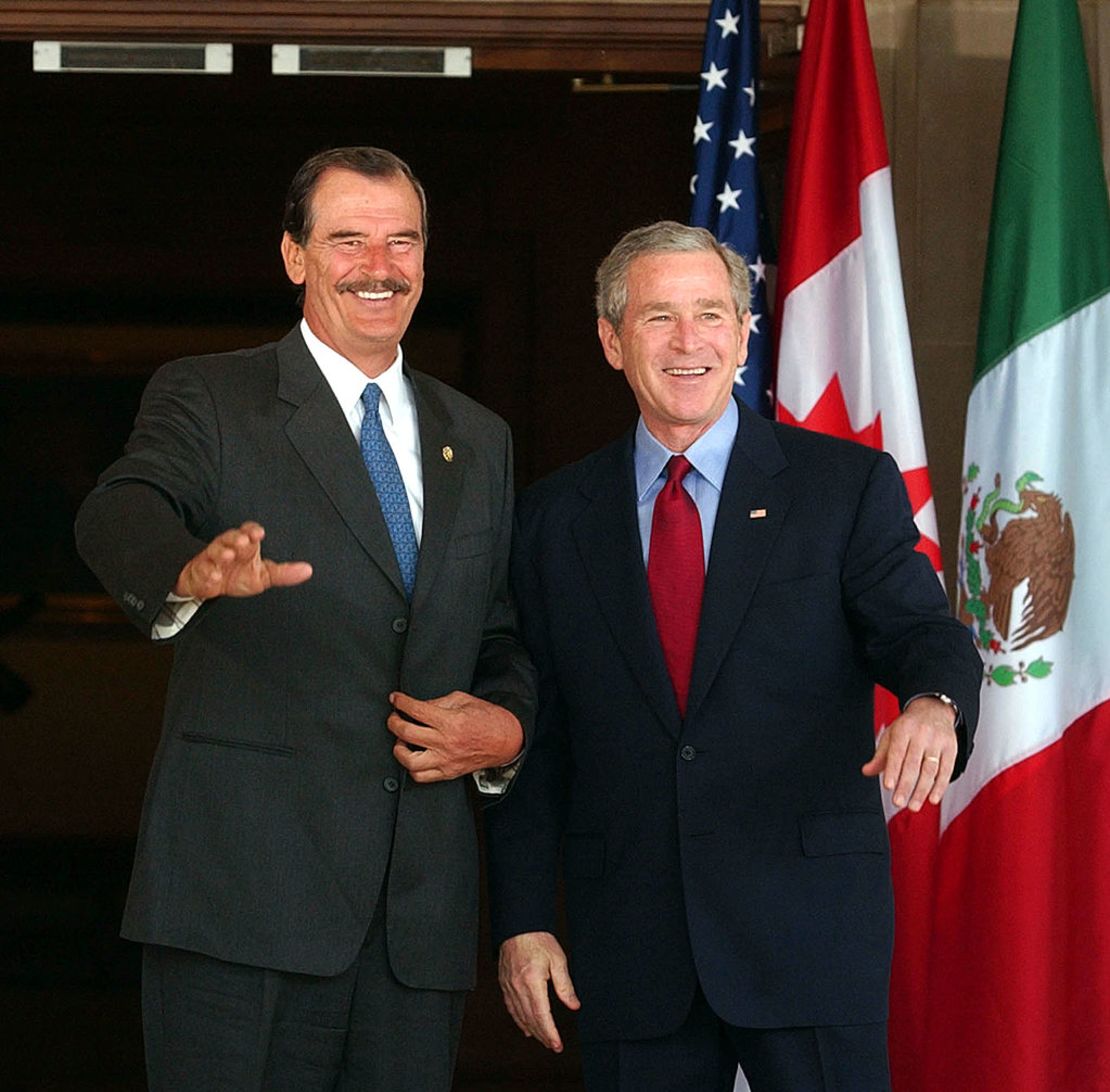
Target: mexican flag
1019,988
845,367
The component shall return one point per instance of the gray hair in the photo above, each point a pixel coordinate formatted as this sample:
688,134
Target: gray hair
664,237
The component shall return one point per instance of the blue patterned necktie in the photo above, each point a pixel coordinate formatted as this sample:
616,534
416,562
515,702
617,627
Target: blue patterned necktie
386,476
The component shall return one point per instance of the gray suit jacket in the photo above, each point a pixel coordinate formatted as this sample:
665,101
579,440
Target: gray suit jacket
276,815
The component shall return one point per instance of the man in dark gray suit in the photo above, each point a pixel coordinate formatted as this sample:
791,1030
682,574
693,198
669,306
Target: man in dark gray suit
305,882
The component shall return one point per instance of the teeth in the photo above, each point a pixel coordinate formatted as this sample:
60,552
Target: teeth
374,295
686,371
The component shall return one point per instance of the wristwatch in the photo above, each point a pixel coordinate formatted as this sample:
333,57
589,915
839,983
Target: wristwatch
944,698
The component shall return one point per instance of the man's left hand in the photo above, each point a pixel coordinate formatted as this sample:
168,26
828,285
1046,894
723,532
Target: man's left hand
917,753
447,737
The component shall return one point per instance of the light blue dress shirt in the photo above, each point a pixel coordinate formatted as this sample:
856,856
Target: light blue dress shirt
708,455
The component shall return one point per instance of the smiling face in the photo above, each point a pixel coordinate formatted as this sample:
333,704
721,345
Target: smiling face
679,342
362,265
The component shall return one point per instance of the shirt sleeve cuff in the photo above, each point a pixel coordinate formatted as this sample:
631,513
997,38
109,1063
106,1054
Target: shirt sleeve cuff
496,780
173,617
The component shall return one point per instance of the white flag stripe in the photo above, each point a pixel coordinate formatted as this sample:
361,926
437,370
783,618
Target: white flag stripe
926,516
822,334
849,319
1012,423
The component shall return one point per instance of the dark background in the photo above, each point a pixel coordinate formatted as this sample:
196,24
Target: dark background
139,221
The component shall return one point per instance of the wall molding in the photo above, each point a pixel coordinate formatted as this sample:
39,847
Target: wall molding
534,34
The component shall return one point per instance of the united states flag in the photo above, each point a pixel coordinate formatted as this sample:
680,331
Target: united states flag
725,185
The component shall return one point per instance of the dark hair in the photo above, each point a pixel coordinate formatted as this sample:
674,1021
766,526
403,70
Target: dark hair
369,162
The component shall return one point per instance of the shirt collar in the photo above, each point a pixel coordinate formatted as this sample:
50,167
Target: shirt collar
708,454
347,381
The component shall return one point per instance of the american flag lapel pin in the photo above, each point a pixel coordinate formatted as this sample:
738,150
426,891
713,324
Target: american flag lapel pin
758,513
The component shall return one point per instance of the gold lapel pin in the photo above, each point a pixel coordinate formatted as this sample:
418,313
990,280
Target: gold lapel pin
758,513
448,454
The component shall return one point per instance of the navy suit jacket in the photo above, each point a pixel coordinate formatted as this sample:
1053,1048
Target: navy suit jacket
276,816
739,847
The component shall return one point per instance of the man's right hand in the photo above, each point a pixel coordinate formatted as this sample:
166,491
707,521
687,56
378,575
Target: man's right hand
232,564
528,962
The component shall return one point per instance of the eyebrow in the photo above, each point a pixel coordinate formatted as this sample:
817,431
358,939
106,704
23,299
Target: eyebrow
407,233
667,305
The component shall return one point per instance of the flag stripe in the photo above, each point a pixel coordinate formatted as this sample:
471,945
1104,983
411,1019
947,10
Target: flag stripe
1044,409
1042,266
1021,952
848,319
832,149
846,367
1020,978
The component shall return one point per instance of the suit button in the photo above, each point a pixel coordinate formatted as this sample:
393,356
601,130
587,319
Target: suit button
400,625
687,754
391,784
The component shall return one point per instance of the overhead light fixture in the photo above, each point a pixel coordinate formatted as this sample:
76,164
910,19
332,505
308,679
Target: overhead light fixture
333,60
209,58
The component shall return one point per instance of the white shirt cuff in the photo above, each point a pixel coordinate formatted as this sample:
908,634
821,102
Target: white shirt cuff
173,617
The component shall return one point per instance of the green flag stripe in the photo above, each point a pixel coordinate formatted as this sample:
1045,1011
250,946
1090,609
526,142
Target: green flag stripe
1049,248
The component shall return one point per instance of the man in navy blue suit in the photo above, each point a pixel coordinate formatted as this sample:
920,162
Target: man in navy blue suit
704,765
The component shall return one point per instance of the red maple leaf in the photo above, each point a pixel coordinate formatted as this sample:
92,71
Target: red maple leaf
830,415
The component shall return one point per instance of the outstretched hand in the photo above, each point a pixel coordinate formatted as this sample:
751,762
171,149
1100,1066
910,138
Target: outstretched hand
917,753
232,564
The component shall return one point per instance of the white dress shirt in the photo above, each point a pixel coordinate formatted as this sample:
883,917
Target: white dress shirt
399,422
398,412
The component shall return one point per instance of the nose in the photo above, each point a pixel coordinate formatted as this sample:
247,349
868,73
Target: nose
374,261
684,335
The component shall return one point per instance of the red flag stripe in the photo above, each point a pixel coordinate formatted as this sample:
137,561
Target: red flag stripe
836,140
1018,943
837,193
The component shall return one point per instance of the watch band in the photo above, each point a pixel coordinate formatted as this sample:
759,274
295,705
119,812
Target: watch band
947,701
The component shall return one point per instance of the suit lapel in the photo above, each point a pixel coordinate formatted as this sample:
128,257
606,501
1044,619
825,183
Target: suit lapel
319,432
608,538
445,459
754,502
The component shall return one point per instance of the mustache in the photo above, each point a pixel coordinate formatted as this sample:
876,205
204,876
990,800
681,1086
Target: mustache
388,284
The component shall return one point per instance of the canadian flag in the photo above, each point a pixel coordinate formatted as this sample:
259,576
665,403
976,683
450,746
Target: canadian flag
845,367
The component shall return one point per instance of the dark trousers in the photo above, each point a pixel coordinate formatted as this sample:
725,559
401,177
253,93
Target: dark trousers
704,1052
212,1026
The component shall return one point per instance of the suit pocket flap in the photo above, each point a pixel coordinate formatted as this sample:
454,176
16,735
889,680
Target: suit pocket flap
584,855
257,746
843,832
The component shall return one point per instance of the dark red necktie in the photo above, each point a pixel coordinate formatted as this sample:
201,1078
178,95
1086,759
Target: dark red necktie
676,575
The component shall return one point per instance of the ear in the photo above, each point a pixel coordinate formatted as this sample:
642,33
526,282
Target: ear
610,343
292,254
742,339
